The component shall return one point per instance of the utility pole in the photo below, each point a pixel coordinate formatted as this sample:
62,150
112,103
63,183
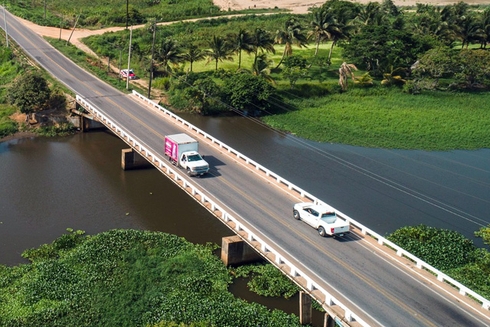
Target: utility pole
129,57
151,60
127,13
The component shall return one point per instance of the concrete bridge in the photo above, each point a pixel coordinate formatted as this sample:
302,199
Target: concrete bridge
234,252
360,280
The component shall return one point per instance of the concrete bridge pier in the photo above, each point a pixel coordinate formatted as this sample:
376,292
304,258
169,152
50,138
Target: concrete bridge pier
133,160
305,308
234,251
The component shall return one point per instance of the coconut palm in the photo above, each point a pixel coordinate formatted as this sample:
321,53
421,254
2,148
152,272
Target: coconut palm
169,53
219,50
262,41
242,41
469,30
341,30
321,25
486,27
370,14
193,54
262,68
292,34
345,71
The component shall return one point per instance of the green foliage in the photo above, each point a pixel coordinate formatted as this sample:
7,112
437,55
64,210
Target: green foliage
7,125
449,252
267,280
382,117
30,92
125,278
394,47
294,69
248,92
440,248
110,12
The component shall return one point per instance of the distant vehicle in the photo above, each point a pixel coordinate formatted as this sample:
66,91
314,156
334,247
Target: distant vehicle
182,150
124,74
321,217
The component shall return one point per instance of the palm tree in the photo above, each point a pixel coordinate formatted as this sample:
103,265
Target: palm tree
242,41
341,30
193,54
469,30
321,26
345,71
486,27
169,53
262,69
262,41
220,50
370,14
291,34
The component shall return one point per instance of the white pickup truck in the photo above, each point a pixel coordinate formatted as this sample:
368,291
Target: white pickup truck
321,217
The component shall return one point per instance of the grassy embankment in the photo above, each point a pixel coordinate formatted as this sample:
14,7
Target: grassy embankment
372,117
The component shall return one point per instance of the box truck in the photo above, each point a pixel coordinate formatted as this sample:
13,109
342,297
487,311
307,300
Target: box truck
183,151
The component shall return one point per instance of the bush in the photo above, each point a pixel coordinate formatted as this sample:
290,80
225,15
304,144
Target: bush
441,248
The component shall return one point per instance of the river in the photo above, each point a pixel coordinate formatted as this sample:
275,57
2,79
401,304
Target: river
51,184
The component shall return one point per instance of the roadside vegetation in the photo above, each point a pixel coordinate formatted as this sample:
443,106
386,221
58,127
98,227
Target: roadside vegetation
142,278
28,96
317,76
451,253
126,278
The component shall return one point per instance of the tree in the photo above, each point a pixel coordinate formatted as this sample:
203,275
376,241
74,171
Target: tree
378,47
242,41
203,95
193,54
220,50
346,70
469,30
473,69
292,34
485,23
370,14
169,53
261,68
248,93
30,92
321,25
262,41
295,68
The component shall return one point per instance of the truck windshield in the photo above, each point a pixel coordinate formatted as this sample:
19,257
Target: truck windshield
194,157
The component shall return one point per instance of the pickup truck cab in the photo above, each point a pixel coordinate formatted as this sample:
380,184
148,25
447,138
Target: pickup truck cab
321,217
193,163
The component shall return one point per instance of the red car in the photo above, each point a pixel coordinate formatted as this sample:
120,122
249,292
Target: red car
124,74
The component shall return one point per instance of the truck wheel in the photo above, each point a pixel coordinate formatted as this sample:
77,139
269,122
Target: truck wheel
189,171
296,214
321,231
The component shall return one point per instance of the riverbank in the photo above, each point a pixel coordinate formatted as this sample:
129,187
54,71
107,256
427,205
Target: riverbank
18,135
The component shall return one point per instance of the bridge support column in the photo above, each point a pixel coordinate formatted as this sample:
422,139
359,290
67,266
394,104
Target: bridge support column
305,308
329,321
133,160
235,251
87,124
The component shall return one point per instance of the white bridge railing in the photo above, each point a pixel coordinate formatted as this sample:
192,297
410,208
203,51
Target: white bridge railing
315,290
